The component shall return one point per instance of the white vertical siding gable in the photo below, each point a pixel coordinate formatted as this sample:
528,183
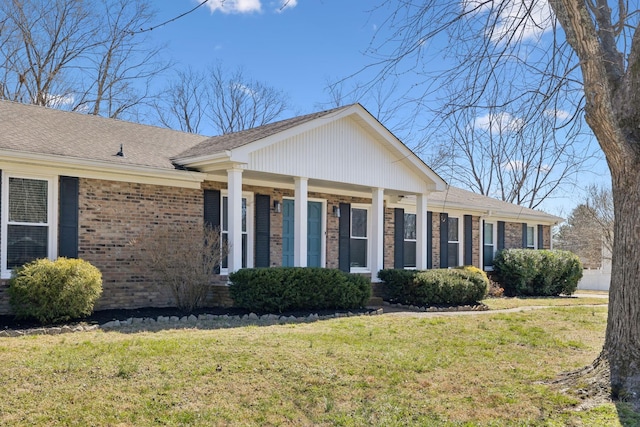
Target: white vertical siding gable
339,151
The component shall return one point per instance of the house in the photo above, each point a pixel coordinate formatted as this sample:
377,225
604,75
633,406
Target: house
330,189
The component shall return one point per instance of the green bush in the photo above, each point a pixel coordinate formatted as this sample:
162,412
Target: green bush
466,285
54,291
398,284
527,272
274,290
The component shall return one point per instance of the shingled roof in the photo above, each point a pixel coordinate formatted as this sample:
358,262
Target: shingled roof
454,197
217,144
41,130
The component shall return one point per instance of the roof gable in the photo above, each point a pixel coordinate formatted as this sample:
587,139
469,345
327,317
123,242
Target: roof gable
345,145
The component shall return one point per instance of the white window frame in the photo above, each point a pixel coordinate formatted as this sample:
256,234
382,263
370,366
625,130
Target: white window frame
535,237
250,227
495,243
366,208
52,215
459,241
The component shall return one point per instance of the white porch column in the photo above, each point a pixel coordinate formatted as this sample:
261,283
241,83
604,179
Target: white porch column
234,185
421,232
377,232
300,223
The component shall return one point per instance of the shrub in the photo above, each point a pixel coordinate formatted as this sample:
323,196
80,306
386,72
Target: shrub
281,289
181,259
450,287
55,291
398,284
526,272
466,285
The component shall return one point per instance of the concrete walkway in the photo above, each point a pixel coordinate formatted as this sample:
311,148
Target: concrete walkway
407,312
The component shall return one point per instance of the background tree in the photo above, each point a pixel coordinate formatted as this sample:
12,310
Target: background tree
219,101
576,56
582,235
84,56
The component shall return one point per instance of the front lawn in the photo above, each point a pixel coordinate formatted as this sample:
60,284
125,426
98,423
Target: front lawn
372,370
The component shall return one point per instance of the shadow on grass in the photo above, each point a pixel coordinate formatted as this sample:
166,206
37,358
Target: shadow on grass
627,416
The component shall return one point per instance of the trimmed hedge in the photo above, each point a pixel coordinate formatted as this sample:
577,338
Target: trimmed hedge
462,286
528,272
278,289
54,291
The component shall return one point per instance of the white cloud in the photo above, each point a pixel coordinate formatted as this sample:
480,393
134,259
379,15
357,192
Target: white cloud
60,101
520,166
287,4
559,114
498,123
235,6
524,19
248,6
514,166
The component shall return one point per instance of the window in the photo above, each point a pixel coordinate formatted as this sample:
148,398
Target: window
359,253
27,221
531,236
409,240
489,245
453,244
246,250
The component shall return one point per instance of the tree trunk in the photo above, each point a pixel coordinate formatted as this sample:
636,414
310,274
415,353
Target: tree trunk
622,342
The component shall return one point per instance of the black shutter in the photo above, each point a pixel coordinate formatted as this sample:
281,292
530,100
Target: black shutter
398,238
212,211
524,235
263,230
540,236
344,238
500,235
444,240
429,239
468,240
68,221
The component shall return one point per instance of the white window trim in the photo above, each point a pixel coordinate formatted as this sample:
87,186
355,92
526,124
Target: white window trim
495,244
367,208
250,226
52,214
535,236
460,241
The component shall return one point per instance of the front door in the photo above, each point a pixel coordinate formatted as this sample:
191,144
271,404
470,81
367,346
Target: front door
314,233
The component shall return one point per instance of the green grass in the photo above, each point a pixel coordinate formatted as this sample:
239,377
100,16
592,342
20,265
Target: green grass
486,370
564,301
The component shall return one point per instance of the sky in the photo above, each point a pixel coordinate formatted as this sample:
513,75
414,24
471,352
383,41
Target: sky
296,49
296,46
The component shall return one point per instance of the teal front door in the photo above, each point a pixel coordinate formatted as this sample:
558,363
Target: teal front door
314,233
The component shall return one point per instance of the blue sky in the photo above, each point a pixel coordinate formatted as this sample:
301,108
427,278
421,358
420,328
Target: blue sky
296,49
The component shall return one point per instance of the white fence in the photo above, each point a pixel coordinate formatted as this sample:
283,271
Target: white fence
595,280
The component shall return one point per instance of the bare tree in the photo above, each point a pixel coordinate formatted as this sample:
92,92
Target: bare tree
509,156
576,56
221,101
76,55
237,102
184,103
582,235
